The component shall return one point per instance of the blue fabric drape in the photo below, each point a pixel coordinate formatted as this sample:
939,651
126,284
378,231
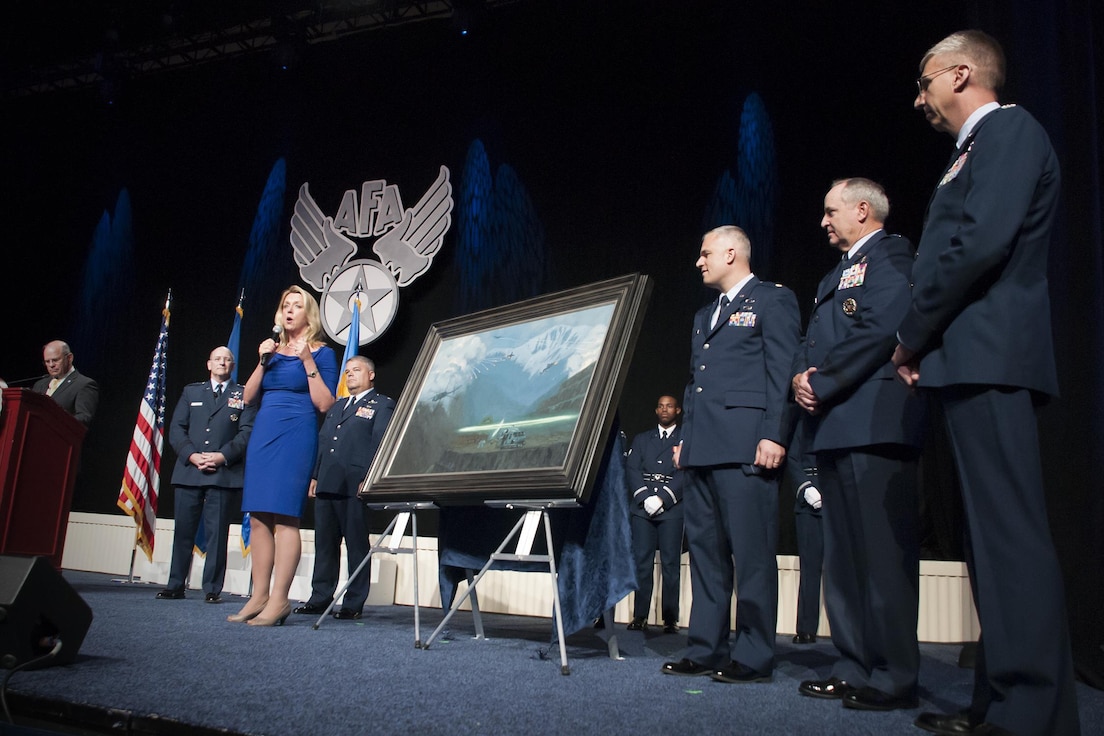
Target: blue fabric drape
592,545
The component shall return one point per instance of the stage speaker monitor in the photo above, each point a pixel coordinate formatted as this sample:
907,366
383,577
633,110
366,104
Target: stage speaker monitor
39,611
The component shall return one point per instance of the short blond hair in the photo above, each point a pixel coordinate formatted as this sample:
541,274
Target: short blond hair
736,236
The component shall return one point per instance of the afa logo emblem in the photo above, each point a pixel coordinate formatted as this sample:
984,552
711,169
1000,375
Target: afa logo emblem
406,240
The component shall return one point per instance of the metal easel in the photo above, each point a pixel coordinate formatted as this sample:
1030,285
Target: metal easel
536,513
390,542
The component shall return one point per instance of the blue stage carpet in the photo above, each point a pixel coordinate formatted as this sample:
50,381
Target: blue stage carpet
174,667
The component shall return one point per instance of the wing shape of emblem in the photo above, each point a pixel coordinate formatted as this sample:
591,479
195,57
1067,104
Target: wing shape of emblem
318,248
408,248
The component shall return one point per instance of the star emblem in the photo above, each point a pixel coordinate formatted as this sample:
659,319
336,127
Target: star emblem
374,286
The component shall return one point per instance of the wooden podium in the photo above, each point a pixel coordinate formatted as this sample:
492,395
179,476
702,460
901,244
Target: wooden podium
40,447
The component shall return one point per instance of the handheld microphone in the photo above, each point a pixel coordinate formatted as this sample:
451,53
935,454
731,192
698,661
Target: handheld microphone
277,330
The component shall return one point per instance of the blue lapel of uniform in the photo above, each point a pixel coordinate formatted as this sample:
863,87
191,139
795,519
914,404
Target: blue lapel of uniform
662,445
346,411
958,152
732,307
830,282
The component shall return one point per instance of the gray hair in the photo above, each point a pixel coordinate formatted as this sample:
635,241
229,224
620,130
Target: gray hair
368,363
981,50
857,189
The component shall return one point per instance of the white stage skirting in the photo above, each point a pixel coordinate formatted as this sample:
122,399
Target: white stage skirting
103,543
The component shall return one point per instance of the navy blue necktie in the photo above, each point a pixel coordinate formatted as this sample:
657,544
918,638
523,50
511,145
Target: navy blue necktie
720,310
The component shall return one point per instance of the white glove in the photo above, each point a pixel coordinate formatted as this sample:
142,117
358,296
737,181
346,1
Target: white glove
653,505
812,497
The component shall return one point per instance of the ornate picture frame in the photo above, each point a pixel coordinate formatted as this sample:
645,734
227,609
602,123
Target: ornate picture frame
513,403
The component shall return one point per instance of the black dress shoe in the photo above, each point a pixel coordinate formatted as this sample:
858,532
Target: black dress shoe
212,598
346,614
868,698
686,668
171,595
310,609
950,724
637,624
738,674
831,689
804,639
670,628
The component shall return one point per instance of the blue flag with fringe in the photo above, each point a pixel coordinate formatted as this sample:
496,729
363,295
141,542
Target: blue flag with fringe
352,347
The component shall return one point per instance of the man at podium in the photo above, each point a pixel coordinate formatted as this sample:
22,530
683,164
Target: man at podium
74,392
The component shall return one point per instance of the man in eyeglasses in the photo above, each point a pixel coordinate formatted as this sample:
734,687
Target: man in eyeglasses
978,337
209,431
73,391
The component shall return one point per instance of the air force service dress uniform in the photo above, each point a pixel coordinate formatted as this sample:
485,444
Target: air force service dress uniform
737,395
347,443
866,439
650,471
980,322
809,529
202,423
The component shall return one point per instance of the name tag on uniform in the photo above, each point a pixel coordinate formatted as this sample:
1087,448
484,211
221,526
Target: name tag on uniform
365,412
853,276
197,403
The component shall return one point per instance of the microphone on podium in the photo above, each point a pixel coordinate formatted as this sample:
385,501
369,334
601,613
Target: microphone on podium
32,379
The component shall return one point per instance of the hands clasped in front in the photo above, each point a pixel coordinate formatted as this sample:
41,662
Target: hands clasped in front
208,462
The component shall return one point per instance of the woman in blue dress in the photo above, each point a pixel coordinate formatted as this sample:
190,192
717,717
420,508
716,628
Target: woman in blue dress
294,382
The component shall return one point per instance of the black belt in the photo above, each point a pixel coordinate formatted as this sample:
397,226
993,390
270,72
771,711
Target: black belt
657,477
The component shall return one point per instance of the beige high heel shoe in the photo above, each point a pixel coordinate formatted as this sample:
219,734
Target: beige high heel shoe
278,620
244,615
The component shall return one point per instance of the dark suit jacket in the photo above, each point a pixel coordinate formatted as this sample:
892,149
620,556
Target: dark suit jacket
980,310
851,336
740,377
348,441
652,455
199,424
78,394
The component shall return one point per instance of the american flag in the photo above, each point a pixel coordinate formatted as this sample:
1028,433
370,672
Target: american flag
142,476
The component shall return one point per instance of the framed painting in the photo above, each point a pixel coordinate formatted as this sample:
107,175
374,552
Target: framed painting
513,403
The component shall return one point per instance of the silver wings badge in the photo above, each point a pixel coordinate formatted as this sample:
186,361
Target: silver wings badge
408,249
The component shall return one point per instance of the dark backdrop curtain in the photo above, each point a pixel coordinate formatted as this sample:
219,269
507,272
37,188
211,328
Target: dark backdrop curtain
1054,52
